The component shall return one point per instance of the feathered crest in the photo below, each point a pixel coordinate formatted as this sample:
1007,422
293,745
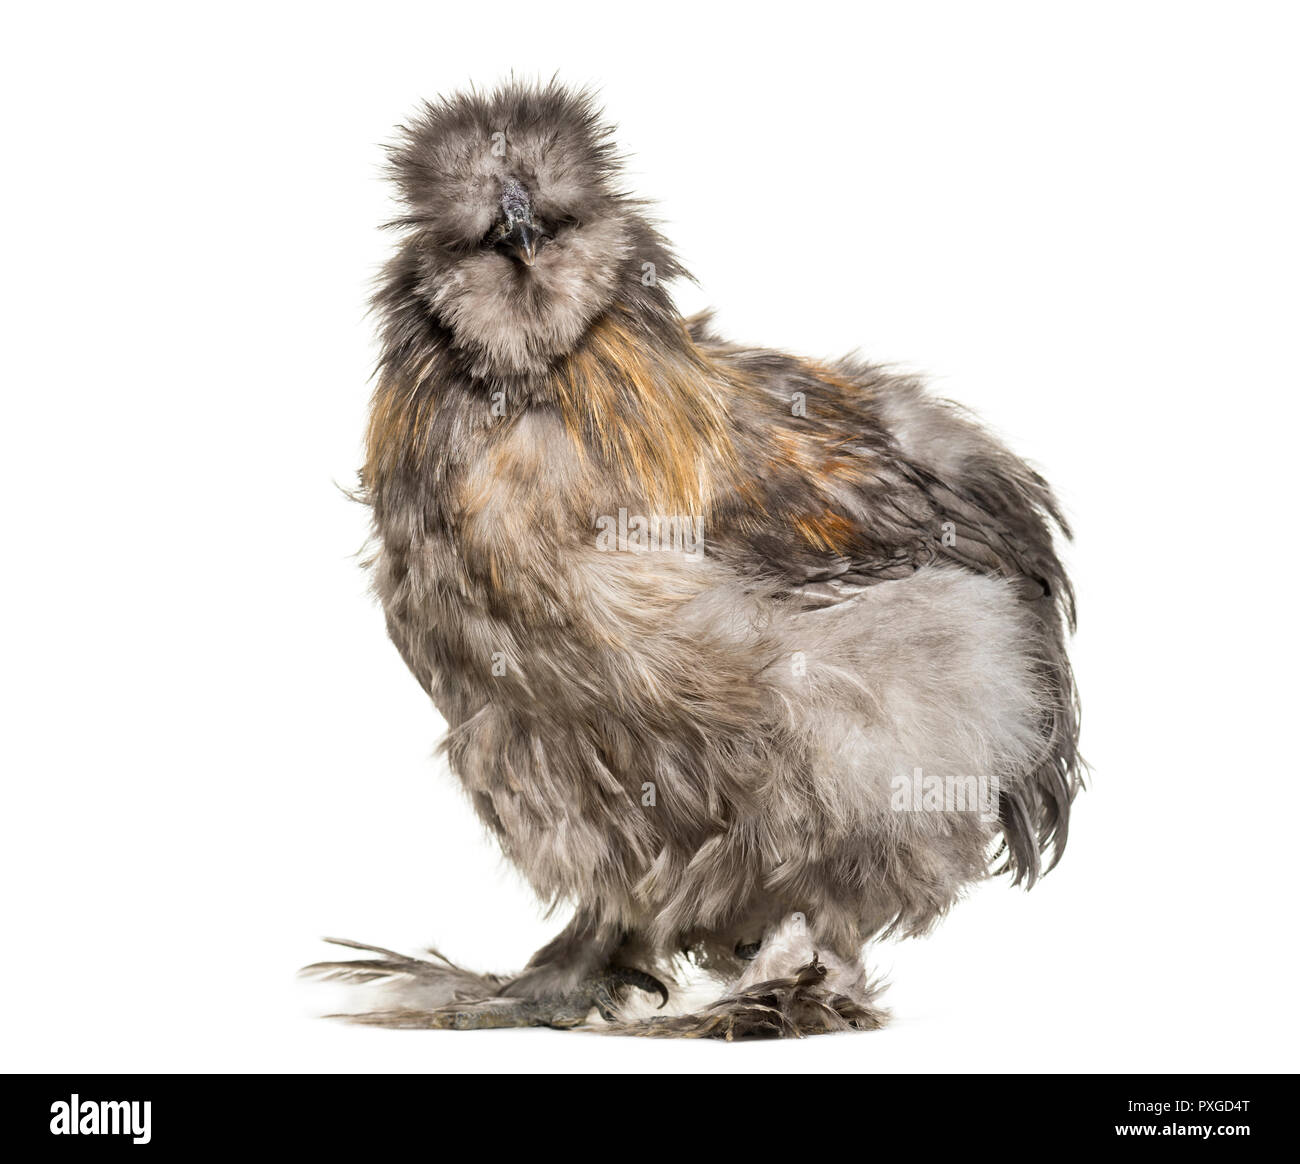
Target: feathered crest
449,161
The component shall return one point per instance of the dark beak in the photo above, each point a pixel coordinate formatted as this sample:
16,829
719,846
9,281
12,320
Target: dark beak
522,240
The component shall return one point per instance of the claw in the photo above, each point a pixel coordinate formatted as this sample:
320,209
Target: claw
625,975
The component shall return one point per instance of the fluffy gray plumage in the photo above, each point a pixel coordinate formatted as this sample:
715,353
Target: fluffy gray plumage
692,744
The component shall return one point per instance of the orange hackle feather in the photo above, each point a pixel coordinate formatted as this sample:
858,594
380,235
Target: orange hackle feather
654,416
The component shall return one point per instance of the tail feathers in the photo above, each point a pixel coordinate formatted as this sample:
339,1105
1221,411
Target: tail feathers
1035,815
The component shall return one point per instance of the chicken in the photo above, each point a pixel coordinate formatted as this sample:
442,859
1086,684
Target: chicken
749,659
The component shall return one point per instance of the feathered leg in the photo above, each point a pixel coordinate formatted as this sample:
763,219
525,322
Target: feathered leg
561,985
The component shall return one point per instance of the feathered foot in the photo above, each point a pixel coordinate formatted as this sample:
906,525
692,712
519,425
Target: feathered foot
440,995
563,1012
789,990
790,1007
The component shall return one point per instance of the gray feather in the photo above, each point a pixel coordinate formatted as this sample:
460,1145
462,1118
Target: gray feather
689,747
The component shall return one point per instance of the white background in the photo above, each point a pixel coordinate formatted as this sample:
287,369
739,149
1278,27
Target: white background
1079,219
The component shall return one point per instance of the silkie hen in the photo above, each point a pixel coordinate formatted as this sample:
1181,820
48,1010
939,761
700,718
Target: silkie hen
748,658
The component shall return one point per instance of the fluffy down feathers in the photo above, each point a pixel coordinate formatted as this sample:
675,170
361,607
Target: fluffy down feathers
689,741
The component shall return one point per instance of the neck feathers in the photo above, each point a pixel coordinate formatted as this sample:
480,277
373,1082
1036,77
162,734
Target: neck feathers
650,408
645,407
